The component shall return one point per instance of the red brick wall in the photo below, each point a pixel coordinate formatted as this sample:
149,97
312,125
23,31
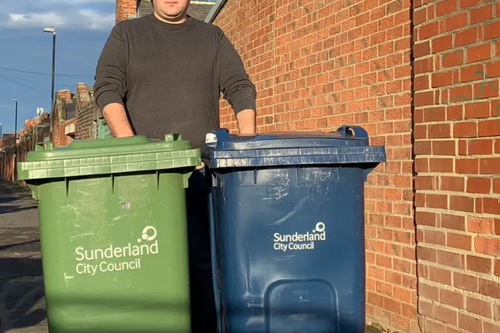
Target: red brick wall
457,147
29,134
85,112
320,64
7,162
64,94
124,8
63,138
56,119
56,122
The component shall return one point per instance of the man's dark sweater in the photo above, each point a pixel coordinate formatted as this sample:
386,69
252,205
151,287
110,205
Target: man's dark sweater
169,76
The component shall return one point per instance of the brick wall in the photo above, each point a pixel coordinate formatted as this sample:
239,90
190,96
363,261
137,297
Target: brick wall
457,148
64,94
59,121
63,138
57,115
8,141
86,111
7,162
125,9
320,64
30,135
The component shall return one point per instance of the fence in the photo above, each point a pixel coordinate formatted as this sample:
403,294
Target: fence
8,164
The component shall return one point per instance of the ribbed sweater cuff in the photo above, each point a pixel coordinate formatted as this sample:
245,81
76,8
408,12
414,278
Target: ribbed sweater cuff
244,103
108,97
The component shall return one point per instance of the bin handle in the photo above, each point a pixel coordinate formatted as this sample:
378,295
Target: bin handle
185,178
348,130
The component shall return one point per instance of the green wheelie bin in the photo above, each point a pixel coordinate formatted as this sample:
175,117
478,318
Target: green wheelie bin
113,233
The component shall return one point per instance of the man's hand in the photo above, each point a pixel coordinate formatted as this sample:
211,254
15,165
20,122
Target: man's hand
246,122
116,117
201,166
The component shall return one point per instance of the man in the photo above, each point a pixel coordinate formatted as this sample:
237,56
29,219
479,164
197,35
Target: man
164,73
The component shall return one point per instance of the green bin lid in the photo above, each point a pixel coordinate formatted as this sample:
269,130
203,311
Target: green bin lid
108,156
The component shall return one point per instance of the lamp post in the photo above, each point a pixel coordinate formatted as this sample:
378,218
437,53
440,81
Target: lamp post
52,30
14,175
15,125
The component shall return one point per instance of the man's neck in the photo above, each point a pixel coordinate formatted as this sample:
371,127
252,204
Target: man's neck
178,20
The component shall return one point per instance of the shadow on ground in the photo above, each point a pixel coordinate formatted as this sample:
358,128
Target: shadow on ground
6,209
21,293
33,245
15,202
6,198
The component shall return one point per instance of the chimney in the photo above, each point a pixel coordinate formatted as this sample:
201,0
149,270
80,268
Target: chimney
64,94
126,9
82,93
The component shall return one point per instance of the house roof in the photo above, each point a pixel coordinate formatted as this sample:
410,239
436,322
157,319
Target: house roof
200,9
215,10
197,9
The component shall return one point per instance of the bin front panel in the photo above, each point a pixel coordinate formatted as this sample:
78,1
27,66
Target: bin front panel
290,249
114,252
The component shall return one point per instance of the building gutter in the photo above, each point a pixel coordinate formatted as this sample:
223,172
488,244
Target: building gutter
212,15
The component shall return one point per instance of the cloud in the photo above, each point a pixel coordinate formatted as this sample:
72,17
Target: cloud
83,18
66,14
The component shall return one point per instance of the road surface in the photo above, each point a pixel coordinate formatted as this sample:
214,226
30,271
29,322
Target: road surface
22,304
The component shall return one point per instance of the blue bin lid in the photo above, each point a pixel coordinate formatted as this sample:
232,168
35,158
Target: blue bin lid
347,145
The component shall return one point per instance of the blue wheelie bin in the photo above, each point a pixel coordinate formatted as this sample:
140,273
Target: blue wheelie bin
288,230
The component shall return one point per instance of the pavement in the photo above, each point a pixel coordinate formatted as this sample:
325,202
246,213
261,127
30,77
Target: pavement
22,303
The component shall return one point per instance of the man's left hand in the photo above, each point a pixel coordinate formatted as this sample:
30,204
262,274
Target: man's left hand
201,166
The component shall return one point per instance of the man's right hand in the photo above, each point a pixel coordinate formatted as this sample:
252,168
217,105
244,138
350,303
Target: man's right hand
116,117
246,122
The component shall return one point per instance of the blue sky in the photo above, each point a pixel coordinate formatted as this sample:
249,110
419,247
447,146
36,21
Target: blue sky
26,51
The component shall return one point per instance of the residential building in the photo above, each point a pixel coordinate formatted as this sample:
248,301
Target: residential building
76,116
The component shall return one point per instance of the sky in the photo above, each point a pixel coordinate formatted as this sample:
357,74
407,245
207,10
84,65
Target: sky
26,51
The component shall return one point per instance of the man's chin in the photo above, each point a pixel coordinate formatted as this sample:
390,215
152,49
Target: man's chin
173,16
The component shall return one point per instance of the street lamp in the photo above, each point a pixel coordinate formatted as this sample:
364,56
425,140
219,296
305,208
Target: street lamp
52,30
15,125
